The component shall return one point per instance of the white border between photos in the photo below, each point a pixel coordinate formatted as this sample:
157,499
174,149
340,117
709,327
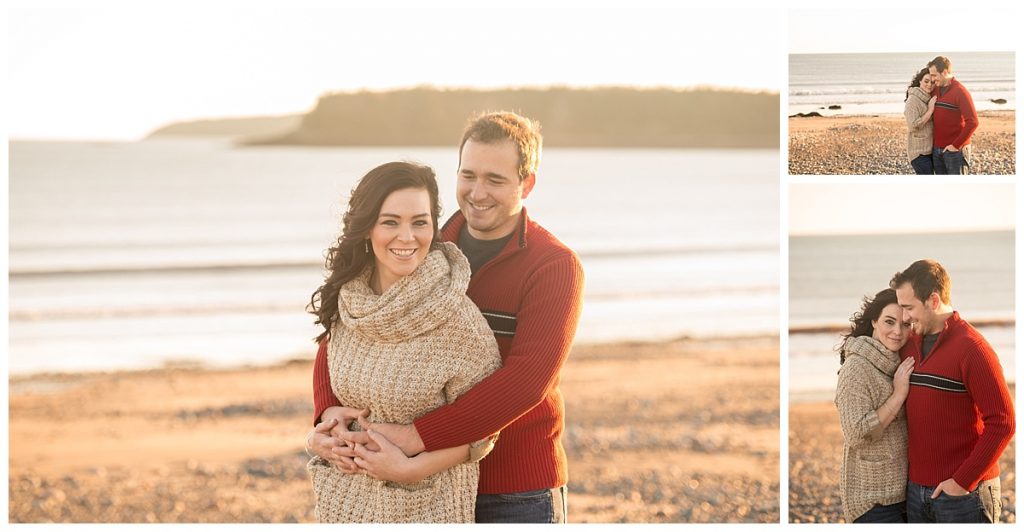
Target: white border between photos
786,181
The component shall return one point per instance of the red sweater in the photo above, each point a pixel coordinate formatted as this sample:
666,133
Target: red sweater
955,118
531,295
959,411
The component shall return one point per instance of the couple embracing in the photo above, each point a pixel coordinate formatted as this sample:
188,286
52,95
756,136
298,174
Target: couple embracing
924,408
941,119
436,382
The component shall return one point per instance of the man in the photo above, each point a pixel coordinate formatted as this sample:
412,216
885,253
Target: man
529,286
959,412
954,119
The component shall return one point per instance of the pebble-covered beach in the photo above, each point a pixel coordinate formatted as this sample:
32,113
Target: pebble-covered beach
815,451
878,145
655,433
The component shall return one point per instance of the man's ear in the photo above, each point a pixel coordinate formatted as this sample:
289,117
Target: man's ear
528,182
933,301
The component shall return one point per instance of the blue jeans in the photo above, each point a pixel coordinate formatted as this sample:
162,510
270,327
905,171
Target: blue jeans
890,513
949,162
923,165
538,506
979,506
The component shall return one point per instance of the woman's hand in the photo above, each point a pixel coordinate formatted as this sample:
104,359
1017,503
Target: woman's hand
344,415
322,444
387,463
901,379
931,103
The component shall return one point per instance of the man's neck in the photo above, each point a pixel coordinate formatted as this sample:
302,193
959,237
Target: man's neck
940,320
490,234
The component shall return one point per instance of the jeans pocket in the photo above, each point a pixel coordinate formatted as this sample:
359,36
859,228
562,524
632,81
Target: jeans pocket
959,509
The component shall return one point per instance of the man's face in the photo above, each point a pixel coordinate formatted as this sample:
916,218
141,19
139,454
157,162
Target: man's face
920,314
940,79
489,191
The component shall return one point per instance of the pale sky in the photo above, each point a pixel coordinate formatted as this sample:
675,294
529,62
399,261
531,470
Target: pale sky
887,207
121,71
928,27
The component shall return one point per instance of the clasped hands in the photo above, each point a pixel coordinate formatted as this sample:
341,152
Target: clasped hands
369,452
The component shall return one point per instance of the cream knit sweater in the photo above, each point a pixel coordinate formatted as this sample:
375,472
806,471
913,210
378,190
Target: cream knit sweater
402,354
874,468
919,136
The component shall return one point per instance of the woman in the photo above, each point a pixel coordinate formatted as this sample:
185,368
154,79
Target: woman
873,385
402,338
920,104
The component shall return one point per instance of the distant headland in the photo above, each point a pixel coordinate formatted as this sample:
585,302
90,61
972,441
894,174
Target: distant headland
569,117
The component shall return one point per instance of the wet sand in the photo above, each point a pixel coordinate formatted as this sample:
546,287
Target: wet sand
668,432
878,145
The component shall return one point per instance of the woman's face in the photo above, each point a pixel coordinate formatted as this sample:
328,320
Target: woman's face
890,329
926,83
401,236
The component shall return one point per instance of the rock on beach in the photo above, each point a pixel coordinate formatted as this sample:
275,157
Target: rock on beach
855,145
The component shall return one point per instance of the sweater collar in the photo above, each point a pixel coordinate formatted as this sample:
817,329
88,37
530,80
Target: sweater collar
874,352
450,230
920,94
414,305
953,321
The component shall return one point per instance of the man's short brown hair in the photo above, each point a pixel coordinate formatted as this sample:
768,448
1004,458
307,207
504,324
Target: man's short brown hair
490,128
941,63
925,276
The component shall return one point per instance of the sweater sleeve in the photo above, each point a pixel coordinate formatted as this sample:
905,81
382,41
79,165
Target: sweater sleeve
478,358
914,120
983,377
970,117
323,394
857,415
545,327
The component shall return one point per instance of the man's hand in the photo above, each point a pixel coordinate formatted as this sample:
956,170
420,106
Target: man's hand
951,148
404,437
388,463
322,444
950,487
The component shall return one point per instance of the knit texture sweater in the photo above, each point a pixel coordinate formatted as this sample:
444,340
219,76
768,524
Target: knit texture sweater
531,295
959,411
874,467
419,345
921,130
954,117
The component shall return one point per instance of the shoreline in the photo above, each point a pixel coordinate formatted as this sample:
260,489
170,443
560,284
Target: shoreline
196,445
24,378
815,452
826,113
875,144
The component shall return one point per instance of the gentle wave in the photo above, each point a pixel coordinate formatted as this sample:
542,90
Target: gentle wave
27,273
852,91
829,328
88,313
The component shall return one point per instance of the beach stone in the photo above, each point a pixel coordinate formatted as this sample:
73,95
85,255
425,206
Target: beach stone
866,145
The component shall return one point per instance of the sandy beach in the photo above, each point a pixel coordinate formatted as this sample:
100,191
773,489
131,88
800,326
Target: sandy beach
671,432
878,145
815,450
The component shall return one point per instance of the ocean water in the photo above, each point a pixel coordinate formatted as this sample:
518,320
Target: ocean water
137,255
877,83
829,276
